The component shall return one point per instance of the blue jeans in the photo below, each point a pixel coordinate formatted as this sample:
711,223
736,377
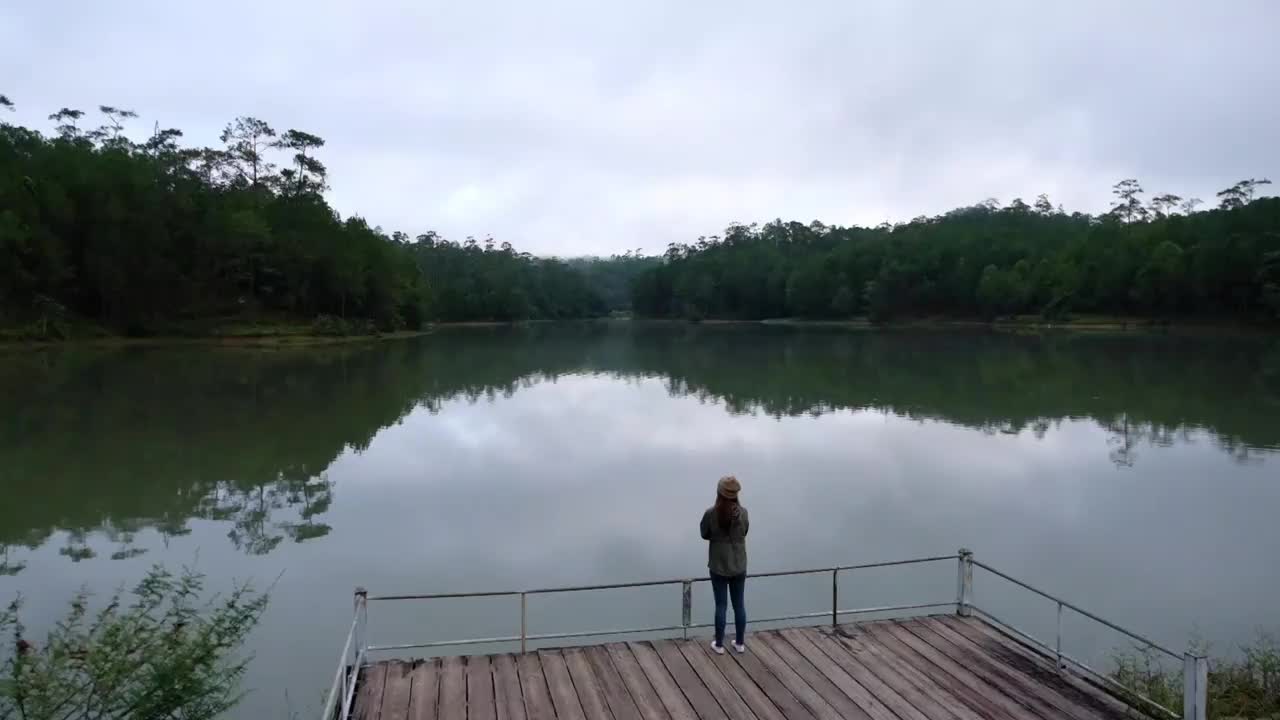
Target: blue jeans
726,588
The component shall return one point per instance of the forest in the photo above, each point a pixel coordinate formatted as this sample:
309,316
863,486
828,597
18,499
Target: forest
156,238
1160,258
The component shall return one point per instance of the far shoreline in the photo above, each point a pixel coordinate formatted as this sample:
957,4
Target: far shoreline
1083,323
264,341
287,337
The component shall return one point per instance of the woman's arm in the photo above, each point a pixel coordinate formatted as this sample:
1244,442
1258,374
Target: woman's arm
705,525
746,522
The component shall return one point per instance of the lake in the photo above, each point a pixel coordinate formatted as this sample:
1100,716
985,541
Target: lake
1136,475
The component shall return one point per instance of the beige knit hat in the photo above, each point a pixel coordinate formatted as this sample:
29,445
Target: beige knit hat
728,487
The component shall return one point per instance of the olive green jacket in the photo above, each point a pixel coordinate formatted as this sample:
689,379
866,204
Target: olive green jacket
727,549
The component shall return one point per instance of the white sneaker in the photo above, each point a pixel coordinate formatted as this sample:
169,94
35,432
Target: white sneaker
739,647
717,648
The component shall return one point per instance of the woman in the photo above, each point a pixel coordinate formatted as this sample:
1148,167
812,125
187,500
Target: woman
724,526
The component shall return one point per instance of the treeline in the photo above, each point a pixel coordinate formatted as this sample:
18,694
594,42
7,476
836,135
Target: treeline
475,281
153,237
614,276
1160,259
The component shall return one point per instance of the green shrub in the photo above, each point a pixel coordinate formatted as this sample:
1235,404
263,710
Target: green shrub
330,325
1246,686
1141,672
334,326
164,653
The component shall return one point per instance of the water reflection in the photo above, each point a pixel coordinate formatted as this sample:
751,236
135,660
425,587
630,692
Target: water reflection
98,446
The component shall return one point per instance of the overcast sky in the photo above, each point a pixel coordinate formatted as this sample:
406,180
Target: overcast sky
592,127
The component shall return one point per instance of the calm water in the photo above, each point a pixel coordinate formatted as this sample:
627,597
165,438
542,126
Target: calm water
1137,476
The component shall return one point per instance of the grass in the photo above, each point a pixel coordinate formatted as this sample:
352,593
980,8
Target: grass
1245,685
249,330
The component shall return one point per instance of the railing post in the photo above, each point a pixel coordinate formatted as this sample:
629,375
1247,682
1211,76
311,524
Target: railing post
1058,647
835,597
964,582
1195,687
686,606
360,606
342,696
524,622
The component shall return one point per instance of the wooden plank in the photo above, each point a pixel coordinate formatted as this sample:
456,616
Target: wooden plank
396,693
563,694
904,699
642,691
997,692
537,699
621,704
594,706
425,691
453,689
803,682
508,698
368,701
984,699
1037,664
1047,682
664,685
875,707
905,678
832,651
1044,700
752,694
726,696
704,704
480,695
770,685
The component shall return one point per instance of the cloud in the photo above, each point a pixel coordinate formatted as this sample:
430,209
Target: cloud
575,127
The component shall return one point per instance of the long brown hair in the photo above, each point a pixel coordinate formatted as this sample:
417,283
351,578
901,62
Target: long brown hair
726,511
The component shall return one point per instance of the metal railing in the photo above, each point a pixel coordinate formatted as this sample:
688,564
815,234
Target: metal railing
1195,668
343,689
357,648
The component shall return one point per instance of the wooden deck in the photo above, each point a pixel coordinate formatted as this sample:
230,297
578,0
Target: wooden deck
934,668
